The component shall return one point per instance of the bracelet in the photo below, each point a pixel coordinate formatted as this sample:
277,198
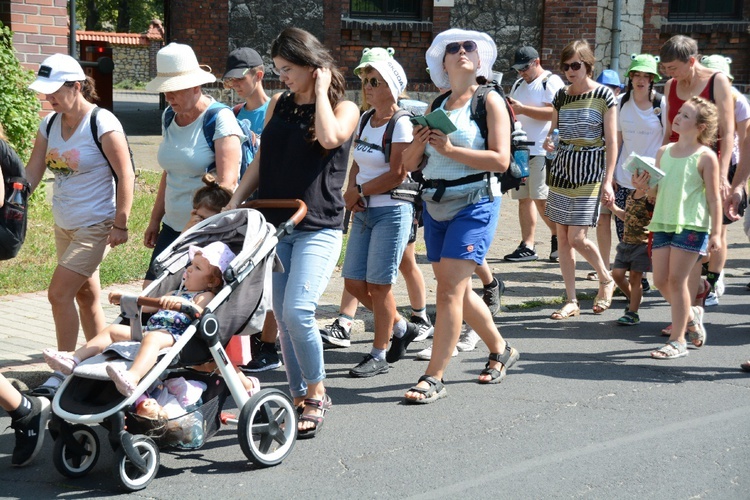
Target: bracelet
120,228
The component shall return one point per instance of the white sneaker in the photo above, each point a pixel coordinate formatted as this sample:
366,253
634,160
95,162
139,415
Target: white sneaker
426,354
712,299
719,286
468,339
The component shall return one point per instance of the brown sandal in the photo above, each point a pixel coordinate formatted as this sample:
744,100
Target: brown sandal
571,308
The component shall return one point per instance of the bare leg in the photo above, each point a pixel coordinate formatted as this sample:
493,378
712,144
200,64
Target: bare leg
623,283
315,390
603,238
567,261
413,279
63,289
541,206
10,398
636,291
147,355
384,311
348,304
270,329
484,273
527,218
110,334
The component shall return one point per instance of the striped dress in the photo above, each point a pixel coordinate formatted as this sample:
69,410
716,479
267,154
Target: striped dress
575,176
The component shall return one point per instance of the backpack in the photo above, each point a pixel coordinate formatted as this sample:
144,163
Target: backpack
95,134
479,115
12,219
547,74
655,103
209,127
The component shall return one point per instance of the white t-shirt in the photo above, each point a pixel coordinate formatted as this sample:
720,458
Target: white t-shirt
642,133
84,188
741,114
184,154
535,94
371,161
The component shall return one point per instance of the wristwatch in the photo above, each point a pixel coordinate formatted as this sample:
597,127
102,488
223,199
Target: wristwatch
359,190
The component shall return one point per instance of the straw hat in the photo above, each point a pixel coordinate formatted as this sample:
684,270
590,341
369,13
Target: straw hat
485,47
177,68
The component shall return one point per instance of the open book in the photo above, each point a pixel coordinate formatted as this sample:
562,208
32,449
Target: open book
635,164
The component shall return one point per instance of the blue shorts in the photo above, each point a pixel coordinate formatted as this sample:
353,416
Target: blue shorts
690,241
467,236
377,241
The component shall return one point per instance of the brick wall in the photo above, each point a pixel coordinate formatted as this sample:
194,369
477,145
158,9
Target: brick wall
565,21
203,25
40,28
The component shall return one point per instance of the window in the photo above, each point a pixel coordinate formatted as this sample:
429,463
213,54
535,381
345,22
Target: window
390,9
704,10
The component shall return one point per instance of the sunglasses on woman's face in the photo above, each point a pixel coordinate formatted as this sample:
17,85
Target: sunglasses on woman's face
374,82
454,47
574,66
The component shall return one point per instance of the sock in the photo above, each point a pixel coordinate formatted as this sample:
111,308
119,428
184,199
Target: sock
378,354
345,321
23,409
554,237
493,284
712,278
399,329
420,313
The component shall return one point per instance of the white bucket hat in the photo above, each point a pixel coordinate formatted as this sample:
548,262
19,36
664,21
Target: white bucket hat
56,70
177,68
393,74
485,47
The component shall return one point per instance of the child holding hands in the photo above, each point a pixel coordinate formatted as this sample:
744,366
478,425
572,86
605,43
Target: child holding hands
632,251
687,219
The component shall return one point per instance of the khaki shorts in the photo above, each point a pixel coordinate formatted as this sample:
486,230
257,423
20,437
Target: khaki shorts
536,184
82,250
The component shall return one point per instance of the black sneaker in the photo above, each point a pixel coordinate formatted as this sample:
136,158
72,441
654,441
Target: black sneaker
553,255
30,432
425,328
399,345
492,296
335,335
369,367
645,285
255,344
267,359
522,254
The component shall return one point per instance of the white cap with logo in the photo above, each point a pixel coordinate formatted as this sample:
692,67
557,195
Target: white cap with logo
56,70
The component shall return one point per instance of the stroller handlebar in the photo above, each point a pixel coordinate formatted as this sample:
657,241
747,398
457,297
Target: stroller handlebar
299,205
191,310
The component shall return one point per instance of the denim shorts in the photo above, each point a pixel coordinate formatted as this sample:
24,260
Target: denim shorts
690,241
377,241
467,236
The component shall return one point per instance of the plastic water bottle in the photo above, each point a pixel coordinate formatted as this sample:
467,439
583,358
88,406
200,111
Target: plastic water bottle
16,197
555,138
521,154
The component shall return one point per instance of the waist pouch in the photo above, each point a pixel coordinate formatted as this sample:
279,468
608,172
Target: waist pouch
456,199
406,191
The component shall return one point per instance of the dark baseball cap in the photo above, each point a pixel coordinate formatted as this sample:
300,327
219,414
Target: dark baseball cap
524,56
240,60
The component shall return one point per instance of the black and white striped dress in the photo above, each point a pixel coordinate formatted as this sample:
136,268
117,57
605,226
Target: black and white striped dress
576,173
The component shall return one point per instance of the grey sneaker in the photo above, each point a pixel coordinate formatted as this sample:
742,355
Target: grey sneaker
335,335
425,328
492,295
522,254
30,432
468,339
369,367
426,354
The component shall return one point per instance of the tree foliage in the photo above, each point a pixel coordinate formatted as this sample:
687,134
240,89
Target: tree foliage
19,106
122,16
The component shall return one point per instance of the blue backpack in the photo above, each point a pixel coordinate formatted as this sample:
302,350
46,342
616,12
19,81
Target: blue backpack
209,127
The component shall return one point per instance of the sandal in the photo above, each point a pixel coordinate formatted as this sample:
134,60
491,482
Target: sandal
508,359
61,361
322,405
436,390
122,380
601,304
698,336
47,390
630,318
670,350
571,308
592,276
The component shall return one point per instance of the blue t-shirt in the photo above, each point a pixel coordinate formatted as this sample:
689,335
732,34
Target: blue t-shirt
256,117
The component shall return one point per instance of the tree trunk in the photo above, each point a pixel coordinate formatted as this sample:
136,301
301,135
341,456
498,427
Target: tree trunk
93,21
123,17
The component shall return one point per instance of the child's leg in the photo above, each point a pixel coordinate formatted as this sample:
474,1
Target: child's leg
413,279
680,265
636,292
619,277
109,335
146,357
251,384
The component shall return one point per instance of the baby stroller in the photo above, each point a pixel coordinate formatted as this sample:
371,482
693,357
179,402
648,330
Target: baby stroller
267,421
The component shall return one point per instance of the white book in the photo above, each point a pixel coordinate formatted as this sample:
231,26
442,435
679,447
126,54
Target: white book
635,164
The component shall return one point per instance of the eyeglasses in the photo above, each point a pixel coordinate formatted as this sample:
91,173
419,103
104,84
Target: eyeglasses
374,82
281,71
454,47
574,66
525,68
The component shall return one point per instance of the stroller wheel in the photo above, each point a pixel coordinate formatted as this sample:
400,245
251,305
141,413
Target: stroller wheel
76,450
267,427
133,476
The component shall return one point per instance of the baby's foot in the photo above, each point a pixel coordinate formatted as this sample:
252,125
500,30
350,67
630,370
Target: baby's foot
61,361
123,380
255,386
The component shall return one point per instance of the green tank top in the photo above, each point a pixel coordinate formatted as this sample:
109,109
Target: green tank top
681,200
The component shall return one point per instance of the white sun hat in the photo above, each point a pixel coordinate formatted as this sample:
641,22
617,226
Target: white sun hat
177,68
56,70
485,47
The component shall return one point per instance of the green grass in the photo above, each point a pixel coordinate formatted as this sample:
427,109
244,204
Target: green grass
32,269
129,85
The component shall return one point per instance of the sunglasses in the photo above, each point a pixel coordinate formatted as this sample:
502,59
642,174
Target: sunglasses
574,66
454,47
525,68
374,82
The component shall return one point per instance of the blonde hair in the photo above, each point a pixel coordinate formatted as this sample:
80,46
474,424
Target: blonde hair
707,115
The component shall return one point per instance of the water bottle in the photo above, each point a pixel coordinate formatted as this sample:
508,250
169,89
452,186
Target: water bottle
16,197
555,138
521,153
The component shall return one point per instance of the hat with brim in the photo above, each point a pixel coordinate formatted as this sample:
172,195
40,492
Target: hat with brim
217,254
485,47
645,63
372,55
393,74
56,70
177,68
610,78
240,61
719,63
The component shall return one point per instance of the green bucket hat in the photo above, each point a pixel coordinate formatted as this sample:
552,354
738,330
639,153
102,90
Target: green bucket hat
373,55
645,63
719,63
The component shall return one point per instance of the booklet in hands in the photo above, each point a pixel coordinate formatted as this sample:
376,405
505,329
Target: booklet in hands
635,164
437,120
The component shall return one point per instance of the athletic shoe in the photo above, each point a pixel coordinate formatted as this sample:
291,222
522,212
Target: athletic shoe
522,254
630,318
425,328
712,299
645,285
30,431
553,255
426,354
369,367
492,296
267,359
468,339
719,286
335,335
400,344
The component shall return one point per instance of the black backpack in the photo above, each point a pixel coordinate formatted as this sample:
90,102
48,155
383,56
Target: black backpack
12,218
655,103
479,115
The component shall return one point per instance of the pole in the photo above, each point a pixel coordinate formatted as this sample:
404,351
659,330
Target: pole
614,62
72,40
